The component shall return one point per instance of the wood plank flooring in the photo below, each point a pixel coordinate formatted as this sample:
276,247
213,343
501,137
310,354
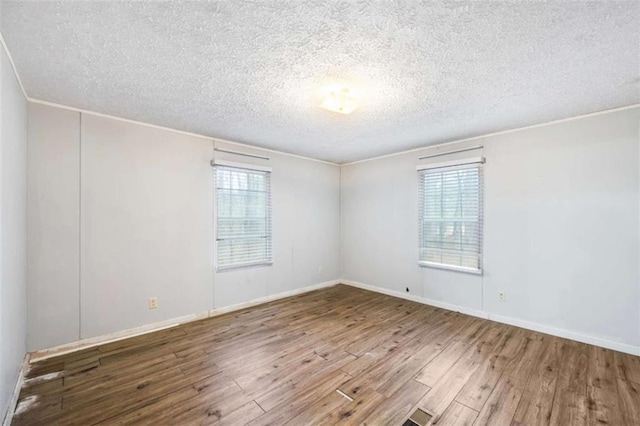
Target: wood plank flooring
283,362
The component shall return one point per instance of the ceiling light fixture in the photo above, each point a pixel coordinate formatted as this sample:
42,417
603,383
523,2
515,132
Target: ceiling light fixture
340,101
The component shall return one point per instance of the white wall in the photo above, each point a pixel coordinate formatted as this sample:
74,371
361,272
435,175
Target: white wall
561,229
144,215
146,197
574,186
13,177
53,249
306,229
120,212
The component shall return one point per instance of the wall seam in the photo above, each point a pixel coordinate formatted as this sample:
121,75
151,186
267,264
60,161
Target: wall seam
340,260
213,227
26,228
169,129
79,225
437,145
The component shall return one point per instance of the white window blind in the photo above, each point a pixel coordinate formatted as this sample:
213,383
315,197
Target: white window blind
451,211
243,217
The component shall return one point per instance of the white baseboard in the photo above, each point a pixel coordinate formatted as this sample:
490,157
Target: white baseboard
13,401
260,301
90,342
559,332
161,325
173,322
425,301
567,334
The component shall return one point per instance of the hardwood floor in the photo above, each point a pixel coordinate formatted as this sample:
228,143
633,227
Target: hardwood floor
283,362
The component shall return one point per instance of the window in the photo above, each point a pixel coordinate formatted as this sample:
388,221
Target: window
451,216
243,217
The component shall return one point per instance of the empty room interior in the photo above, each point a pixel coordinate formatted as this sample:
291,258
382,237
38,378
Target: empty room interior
318,212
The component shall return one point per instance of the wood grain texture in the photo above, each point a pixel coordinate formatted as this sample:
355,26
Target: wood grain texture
458,415
283,362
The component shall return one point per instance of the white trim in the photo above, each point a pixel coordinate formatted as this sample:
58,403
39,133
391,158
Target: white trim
155,126
567,334
424,301
440,144
455,151
90,342
283,295
170,323
452,163
113,117
288,154
240,153
541,328
258,264
13,65
486,135
302,157
13,401
425,264
241,165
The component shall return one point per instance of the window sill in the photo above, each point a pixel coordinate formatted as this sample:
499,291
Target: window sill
450,268
243,266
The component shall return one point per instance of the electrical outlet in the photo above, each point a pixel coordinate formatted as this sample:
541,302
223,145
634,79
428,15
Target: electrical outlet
320,269
501,296
153,302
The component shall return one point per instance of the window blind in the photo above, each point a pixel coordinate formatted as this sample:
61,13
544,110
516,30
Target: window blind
451,217
243,217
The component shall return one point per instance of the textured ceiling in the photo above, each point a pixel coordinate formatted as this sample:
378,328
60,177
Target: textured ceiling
253,71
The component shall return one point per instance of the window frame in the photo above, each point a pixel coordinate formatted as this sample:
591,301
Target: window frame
268,261
471,163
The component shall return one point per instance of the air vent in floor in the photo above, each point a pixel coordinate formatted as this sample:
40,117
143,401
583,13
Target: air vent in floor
418,418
